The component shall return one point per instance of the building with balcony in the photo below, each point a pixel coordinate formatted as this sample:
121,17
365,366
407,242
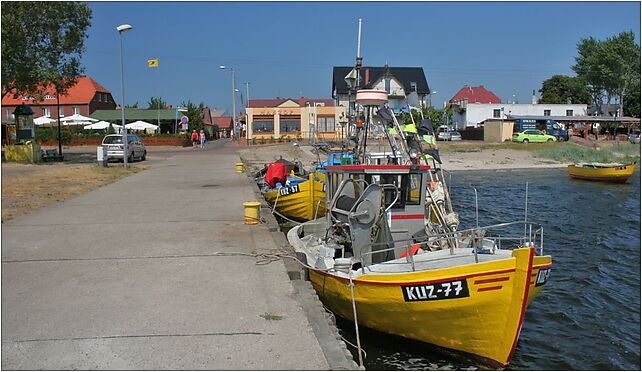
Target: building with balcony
301,118
403,84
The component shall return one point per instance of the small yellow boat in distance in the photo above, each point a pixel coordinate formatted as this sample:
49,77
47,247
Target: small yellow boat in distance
605,172
303,201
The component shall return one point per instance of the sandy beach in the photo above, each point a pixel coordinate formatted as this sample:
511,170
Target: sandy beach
461,156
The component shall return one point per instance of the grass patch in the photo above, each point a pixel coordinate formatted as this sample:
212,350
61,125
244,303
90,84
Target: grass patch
269,316
573,153
44,184
478,147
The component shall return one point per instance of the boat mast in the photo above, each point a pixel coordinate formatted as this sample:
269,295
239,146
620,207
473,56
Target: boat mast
359,59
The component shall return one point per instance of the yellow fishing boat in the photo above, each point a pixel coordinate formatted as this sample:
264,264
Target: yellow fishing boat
477,309
301,200
466,291
606,172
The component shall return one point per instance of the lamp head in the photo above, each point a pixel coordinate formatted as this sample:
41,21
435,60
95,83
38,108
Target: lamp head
222,67
124,28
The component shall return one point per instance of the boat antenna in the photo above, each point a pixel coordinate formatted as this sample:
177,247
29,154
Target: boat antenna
526,209
476,208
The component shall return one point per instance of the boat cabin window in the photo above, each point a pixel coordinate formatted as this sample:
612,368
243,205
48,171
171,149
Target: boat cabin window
409,186
413,196
389,194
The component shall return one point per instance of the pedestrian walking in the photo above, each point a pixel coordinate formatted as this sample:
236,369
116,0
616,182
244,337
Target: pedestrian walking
194,138
201,136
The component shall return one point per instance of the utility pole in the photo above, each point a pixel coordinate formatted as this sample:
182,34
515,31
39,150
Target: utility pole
247,94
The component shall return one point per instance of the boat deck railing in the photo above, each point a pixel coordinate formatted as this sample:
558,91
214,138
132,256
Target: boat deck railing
486,240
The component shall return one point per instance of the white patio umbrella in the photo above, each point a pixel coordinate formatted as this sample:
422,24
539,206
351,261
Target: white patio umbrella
141,125
44,121
77,119
101,125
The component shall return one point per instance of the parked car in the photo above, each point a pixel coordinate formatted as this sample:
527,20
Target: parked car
135,147
455,136
443,134
533,135
634,137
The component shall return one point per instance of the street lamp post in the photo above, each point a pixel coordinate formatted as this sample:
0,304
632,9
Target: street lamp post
430,98
121,29
234,126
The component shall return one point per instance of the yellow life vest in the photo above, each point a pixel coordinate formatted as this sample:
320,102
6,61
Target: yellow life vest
429,139
410,128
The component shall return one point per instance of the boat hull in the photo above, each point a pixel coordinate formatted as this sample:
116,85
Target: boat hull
303,202
603,174
481,315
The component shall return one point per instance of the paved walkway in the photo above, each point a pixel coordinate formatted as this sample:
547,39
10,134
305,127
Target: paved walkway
125,277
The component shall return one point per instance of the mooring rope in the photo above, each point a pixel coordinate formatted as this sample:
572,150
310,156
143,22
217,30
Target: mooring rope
356,323
284,217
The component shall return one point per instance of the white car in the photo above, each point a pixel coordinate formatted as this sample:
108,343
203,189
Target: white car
455,136
634,137
443,134
135,147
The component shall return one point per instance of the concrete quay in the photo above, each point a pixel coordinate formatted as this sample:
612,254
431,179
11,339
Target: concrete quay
156,271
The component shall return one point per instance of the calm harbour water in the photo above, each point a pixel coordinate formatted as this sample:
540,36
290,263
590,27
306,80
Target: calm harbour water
588,315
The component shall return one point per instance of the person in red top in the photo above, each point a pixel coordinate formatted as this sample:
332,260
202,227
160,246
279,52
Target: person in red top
194,138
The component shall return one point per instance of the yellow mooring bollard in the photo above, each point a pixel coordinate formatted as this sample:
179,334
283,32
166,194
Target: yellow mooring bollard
252,212
239,167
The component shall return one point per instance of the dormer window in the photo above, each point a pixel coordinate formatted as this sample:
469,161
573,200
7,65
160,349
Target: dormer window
413,86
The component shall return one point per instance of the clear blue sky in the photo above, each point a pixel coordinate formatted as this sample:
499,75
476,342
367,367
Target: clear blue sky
288,49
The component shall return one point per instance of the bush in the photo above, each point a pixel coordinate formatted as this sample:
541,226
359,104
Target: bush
175,135
51,134
570,152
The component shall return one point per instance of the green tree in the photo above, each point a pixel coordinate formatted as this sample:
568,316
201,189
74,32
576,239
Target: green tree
590,70
438,116
42,43
611,67
632,101
565,89
195,115
134,105
156,103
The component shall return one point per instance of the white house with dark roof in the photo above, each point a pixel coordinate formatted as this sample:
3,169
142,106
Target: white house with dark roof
403,84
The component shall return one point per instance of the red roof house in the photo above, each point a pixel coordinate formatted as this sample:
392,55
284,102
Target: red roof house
83,98
475,95
224,125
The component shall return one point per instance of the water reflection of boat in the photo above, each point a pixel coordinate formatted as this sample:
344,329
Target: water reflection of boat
463,290
606,172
